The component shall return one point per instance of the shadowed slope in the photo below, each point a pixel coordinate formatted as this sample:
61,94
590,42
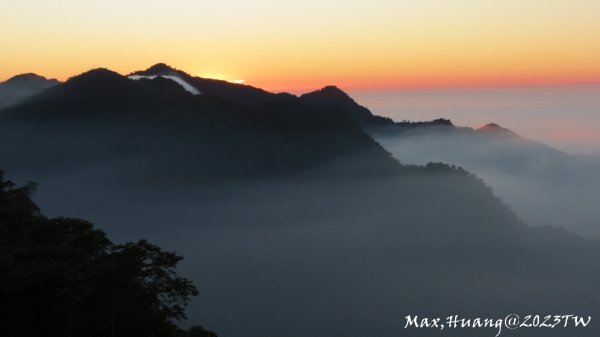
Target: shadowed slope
21,87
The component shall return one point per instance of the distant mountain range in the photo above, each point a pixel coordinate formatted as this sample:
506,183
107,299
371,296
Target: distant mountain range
21,87
543,185
154,94
228,129
440,140
294,219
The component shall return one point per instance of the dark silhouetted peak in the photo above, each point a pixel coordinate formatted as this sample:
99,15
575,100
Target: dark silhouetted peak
162,70
95,85
107,84
333,90
238,93
159,69
494,128
491,127
21,87
331,95
28,78
100,81
442,121
97,75
100,93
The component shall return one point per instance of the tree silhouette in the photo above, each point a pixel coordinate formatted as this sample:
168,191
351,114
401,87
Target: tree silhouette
63,277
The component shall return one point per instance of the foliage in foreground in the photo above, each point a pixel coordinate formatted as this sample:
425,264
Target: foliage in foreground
63,277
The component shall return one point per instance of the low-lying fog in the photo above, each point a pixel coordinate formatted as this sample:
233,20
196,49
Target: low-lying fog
565,117
319,260
544,187
323,257
542,190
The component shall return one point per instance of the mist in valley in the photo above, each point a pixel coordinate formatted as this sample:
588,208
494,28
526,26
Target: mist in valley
291,219
542,185
349,256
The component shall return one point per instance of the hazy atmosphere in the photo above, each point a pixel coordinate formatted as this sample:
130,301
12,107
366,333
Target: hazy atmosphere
565,117
304,169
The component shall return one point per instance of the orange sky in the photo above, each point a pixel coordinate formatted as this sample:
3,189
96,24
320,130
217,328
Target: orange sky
306,44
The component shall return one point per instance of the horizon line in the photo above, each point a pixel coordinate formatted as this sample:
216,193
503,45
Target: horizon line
353,87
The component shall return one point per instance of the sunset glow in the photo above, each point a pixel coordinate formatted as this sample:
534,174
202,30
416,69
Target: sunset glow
291,45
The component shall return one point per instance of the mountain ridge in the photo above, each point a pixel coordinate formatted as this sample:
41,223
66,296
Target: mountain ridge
22,86
28,77
251,186
236,92
160,109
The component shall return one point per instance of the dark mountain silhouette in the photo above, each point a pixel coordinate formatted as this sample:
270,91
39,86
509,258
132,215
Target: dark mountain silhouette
238,93
160,69
200,135
22,86
98,90
293,220
538,181
491,143
27,79
332,96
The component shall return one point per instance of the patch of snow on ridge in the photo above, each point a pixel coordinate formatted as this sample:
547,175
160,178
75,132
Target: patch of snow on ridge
188,87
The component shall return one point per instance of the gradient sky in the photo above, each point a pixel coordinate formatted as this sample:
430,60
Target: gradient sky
306,44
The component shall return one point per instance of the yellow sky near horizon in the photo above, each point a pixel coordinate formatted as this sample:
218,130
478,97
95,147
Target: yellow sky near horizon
307,44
